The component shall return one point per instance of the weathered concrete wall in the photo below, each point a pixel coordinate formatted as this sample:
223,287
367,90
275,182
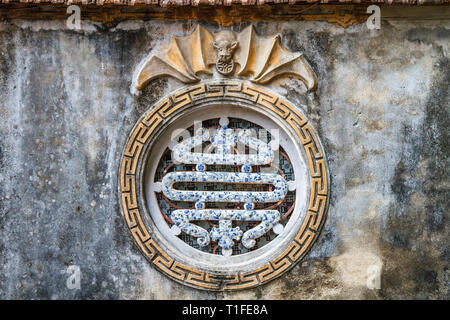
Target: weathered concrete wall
381,110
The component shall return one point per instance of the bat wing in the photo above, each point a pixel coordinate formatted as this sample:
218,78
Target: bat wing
264,59
184,59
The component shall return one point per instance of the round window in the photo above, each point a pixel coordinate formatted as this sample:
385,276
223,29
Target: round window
229,191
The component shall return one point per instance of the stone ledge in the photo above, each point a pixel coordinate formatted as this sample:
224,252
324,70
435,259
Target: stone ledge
218,3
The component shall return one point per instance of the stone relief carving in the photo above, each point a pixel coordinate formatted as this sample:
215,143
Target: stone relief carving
258,59
225,43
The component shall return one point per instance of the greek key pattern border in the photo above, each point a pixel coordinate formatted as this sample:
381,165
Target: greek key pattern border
200,94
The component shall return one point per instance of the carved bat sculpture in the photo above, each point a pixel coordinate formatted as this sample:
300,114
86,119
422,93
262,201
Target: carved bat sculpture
245,55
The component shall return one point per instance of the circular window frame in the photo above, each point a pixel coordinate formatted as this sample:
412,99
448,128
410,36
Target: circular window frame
133,199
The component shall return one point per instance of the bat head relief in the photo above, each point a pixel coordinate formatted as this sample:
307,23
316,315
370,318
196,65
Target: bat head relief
225,44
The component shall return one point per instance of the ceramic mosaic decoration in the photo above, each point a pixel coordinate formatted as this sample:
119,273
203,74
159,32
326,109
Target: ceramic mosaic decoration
223,142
